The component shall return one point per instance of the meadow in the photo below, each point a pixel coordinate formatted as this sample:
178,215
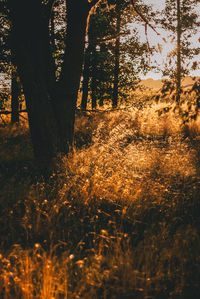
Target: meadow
118,219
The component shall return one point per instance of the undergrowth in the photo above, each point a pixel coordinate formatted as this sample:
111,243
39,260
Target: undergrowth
120,219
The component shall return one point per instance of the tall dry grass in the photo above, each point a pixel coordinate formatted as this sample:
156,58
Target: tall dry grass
120,219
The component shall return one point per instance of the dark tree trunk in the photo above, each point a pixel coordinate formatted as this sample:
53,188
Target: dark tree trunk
178,66
52,36
68,86
52,25
50,105
31,47
101,101
117,57
15,93
94,77
86,78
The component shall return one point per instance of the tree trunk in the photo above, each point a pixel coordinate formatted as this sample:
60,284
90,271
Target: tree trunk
52,32
94,77
52,37
68,86
50,105
15,93
178,66
86,77
117,56
31,47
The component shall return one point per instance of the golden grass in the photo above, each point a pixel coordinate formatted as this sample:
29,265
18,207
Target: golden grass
120,219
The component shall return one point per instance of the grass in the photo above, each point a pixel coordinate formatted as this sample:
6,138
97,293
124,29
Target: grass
119,220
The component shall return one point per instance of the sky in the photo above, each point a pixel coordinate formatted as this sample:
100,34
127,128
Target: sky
155,40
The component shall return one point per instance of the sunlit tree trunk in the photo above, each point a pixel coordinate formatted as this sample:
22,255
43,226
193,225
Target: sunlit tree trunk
86,78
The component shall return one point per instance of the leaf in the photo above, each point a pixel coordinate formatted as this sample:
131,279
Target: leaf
160,48
194,65
164,39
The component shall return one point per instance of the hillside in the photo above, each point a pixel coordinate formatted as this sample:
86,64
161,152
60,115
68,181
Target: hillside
157,84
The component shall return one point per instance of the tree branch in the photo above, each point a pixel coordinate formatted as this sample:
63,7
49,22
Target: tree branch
143,17
93,3
108,39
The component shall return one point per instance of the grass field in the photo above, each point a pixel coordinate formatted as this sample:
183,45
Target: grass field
120,218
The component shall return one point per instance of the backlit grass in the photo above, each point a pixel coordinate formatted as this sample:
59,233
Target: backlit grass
120,218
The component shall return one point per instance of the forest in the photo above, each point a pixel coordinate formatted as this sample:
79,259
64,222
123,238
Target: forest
99,149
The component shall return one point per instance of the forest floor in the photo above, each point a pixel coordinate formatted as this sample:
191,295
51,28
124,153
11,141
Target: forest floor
120,219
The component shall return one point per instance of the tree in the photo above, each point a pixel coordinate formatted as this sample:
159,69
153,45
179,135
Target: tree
117,56
50,103
96,55
179,17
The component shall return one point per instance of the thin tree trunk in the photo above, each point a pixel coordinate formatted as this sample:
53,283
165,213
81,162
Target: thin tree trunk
101,101
52,36
86,77
52,31
117,57
94,77
15,93
178,66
